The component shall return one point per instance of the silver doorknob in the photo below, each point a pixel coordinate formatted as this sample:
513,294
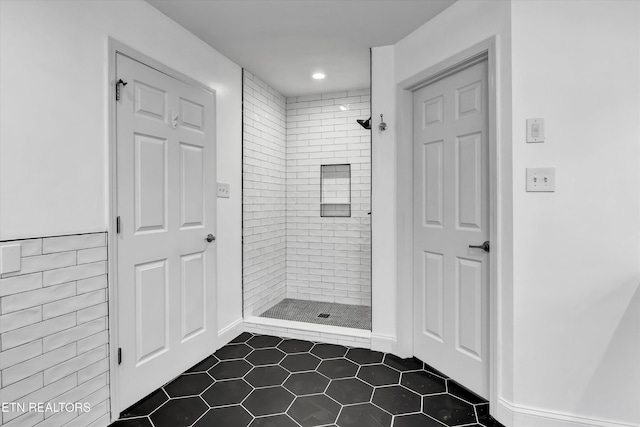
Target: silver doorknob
210,238
484,246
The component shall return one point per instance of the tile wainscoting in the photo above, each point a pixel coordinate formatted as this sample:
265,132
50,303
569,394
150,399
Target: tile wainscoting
54,331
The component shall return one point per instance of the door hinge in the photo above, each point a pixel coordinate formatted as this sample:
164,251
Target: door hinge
118,83
118,225
119,356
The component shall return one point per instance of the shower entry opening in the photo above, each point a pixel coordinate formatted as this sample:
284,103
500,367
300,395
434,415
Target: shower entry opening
306,206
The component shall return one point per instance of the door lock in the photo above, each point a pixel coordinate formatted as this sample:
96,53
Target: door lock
210,238
484,246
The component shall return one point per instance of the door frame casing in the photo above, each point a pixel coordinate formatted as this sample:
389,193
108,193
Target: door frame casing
486,50
115,47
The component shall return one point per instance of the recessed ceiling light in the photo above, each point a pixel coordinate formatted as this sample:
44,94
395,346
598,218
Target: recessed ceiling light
345,107
319,76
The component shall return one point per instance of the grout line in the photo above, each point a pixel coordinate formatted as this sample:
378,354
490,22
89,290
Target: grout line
57,235
316,346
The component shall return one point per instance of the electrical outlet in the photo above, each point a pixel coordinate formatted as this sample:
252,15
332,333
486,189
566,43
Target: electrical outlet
223,190
541,179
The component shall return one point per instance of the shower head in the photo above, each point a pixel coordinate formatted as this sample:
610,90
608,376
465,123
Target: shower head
365,123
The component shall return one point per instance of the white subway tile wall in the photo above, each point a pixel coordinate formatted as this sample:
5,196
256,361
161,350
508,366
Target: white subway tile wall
289,249
53,331
264,196
328,258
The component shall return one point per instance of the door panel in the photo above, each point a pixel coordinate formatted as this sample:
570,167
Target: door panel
434,294
469,179
469,290
432,112
469,100
150,183
193,294
166,180
191,114
433,184
151,314
150,101
451,196
192,185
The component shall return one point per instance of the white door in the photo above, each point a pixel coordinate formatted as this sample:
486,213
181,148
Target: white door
166,186
451,212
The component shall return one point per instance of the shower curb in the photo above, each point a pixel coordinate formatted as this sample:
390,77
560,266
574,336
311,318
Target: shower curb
306,331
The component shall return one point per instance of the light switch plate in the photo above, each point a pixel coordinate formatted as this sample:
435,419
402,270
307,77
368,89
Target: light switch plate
541,179
10,258
535,130
223,190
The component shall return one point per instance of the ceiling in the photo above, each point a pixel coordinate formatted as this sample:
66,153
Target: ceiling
285,41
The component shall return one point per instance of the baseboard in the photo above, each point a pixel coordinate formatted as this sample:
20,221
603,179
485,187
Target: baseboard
519,416
383,343
503,412
229,332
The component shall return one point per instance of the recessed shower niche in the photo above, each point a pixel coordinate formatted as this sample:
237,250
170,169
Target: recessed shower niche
306,206
335,190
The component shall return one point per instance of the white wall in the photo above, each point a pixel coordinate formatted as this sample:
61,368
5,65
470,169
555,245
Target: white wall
54,115
457,28
385,332
576,259
569,298
264,196
328,258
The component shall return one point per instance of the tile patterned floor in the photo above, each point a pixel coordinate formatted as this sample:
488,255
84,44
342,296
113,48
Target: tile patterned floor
345,315
267,381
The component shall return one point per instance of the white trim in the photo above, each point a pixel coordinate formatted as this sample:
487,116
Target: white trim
523,416
114,48
229,332
405,89
310,327
503,412
383,343
114,396
349,337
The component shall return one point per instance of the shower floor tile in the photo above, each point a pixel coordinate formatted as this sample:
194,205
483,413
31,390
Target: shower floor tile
345,315
338,386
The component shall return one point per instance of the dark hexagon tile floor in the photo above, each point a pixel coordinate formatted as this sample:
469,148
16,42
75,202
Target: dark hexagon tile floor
266,376
230,392
315,410
350,390
234,415
267,381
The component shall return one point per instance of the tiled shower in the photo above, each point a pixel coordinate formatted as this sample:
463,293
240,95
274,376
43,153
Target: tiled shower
306,205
